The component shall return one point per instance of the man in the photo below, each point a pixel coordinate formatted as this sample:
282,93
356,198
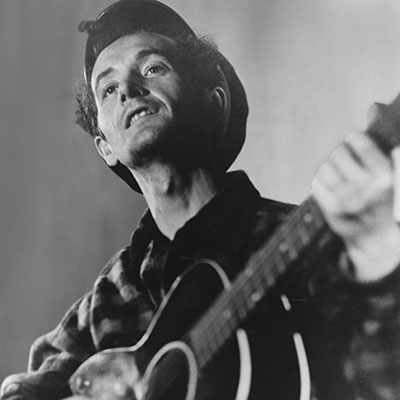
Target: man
167,113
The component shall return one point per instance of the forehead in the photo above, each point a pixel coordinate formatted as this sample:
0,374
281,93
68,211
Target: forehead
130,48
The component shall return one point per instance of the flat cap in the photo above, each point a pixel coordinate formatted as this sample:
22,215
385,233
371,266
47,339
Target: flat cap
129,16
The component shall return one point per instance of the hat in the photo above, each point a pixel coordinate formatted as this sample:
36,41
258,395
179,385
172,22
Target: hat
129,16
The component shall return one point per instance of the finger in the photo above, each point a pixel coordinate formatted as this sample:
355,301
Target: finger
396,183
323,195
328,175
368,153
75,398
376,112
347,164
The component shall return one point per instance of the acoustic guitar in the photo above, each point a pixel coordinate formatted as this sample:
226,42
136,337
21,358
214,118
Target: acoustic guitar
198,332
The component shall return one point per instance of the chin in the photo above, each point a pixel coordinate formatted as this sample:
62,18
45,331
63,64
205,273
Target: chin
167,143
145,148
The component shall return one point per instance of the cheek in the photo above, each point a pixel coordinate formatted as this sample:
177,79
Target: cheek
105,121
101,122
175,92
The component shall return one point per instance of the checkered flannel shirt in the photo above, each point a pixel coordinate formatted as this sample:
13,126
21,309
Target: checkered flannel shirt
117,311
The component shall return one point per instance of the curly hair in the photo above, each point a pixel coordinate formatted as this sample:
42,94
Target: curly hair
200,60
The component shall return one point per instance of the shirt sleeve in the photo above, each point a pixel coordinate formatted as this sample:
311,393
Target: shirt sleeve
373,364
115,313
351,329
53,358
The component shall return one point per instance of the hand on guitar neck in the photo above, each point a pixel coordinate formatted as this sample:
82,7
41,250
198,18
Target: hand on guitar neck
354,190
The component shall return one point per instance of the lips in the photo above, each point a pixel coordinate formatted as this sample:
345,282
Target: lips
134,115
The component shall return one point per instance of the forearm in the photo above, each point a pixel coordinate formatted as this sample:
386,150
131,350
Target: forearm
373,366
350,328
40,385
47,377
52,360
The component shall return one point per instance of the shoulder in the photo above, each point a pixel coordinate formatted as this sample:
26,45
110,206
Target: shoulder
124,266
121,274
120,260
269,214
261,223
274,207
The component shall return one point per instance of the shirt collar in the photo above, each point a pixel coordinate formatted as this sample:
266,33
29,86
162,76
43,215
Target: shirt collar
228,209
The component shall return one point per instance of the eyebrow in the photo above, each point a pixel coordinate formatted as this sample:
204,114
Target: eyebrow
101,75
153,51
140,55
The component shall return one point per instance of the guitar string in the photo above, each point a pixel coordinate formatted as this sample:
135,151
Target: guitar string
284,234
170,371
213,335
207,323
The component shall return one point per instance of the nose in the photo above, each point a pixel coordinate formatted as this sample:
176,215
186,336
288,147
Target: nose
130,90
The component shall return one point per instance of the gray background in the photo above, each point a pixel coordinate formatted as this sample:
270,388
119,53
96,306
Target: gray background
311,69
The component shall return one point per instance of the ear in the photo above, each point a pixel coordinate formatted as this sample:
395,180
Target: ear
105,151
218,101
220,105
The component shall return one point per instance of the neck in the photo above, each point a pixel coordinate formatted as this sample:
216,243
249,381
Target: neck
173,198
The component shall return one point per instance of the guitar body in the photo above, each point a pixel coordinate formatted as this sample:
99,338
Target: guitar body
187,354
167,364
189,297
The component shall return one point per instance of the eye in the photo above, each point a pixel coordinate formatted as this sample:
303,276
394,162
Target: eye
109,90
154,69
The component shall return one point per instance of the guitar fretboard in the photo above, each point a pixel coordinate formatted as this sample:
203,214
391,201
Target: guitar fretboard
292,239
262,272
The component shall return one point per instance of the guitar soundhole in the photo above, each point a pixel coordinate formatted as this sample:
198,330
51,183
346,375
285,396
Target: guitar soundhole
169,378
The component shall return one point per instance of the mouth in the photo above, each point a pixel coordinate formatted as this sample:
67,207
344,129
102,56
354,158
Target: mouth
137,114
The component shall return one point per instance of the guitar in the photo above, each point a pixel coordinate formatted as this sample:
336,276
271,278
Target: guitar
194,333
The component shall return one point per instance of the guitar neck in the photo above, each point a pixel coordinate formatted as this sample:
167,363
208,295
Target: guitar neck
263,270
304,226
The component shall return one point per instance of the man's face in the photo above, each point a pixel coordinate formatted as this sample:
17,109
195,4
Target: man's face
142,98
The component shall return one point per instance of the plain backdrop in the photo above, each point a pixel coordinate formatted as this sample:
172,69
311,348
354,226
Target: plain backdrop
311,70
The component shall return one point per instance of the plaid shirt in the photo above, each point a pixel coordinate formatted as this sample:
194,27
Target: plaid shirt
351,331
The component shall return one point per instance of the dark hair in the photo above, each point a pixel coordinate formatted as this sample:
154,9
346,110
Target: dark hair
201,61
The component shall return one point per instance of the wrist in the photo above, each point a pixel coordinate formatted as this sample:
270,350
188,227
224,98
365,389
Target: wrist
375,257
